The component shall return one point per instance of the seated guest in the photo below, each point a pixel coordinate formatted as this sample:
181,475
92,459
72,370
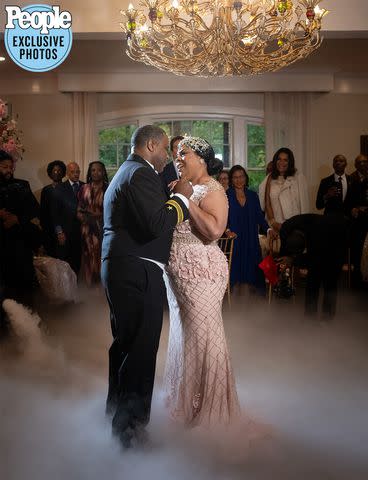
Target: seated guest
357,204
66,222
90,215
332,192
20,235
245,219
56,171
223,178
360,164
170,173
325,239
284,192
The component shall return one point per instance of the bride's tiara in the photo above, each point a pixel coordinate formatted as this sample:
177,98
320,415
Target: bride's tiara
197,144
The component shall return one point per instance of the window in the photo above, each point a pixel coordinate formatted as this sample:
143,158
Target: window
114,146
256,154
216,132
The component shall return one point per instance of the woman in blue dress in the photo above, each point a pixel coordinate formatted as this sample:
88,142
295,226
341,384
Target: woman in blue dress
246,220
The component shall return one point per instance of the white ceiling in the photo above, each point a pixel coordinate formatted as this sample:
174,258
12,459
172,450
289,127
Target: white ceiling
99,48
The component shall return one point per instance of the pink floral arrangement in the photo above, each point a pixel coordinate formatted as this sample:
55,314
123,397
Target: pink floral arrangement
9,134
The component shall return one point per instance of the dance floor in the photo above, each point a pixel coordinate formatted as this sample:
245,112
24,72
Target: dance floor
307,380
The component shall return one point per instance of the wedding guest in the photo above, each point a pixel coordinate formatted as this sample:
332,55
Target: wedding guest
245,218
333,190
284,192
361,164
19,232
56,171
170,173
223,179
90,215
66,222
325,239
357,204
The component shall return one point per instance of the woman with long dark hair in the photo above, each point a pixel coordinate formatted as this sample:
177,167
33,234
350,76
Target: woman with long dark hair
90,214
284,192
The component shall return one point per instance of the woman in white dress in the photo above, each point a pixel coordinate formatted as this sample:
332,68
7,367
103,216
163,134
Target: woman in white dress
284,192
199,381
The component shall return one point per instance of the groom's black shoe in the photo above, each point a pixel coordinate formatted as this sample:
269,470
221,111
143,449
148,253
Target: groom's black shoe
126,438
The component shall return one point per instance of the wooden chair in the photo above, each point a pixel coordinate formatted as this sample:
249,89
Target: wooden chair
227,246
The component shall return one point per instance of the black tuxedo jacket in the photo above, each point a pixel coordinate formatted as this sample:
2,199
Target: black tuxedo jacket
139,219
326,236
168,175
331,205
64,208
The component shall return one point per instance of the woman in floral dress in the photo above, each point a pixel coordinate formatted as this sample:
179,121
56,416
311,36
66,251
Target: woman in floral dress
90,214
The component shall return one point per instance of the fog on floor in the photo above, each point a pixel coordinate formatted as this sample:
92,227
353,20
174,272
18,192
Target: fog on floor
305,380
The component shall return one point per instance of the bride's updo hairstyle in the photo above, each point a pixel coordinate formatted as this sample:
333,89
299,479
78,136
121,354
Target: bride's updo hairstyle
204,150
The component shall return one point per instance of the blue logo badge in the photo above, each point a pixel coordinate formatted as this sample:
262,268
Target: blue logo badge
38,38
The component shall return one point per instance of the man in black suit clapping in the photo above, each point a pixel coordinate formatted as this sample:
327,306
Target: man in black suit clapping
64,213
139,220
333,190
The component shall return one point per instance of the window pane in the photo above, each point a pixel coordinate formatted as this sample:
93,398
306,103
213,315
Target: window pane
166,126
216,132
114,146
256,135
255,178
183,127
123,152
222,152
108,155
256,156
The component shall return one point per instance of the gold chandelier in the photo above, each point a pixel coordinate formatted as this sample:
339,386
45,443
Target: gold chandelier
222,37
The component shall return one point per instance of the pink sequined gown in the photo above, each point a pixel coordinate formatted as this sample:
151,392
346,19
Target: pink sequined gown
199,381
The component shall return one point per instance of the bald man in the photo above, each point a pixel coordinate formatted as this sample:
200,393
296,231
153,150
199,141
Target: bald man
333,190
64,213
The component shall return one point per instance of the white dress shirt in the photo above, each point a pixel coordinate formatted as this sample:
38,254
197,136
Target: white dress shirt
344,184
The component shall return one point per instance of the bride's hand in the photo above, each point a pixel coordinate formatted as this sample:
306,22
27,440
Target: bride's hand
184,187
172,184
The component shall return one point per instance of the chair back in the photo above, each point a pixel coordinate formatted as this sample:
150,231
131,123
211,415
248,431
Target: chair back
227,245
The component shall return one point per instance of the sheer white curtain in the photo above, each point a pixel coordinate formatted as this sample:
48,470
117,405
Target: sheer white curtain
85,129
288,124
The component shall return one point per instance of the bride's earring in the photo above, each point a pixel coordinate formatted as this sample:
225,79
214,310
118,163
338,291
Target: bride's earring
201,161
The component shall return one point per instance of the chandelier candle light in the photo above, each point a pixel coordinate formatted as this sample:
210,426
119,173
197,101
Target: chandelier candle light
222,37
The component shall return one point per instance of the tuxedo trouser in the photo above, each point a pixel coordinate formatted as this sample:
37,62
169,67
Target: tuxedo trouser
322,271
135,291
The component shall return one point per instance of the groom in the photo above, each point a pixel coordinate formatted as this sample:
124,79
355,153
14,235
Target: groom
139,220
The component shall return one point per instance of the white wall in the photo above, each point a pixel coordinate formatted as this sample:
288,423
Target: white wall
338,120
337,123
46,123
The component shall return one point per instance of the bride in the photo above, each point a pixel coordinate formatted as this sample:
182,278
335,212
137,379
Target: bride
199,382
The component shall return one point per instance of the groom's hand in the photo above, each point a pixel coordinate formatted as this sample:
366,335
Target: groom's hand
183,187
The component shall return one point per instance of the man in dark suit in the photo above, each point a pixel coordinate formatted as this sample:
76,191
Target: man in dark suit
139,220
64,215
357,203
19,231
325,239
361,165
170,173
333,190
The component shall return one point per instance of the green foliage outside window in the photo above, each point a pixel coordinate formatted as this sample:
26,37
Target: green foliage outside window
216,132
114,146
256,155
